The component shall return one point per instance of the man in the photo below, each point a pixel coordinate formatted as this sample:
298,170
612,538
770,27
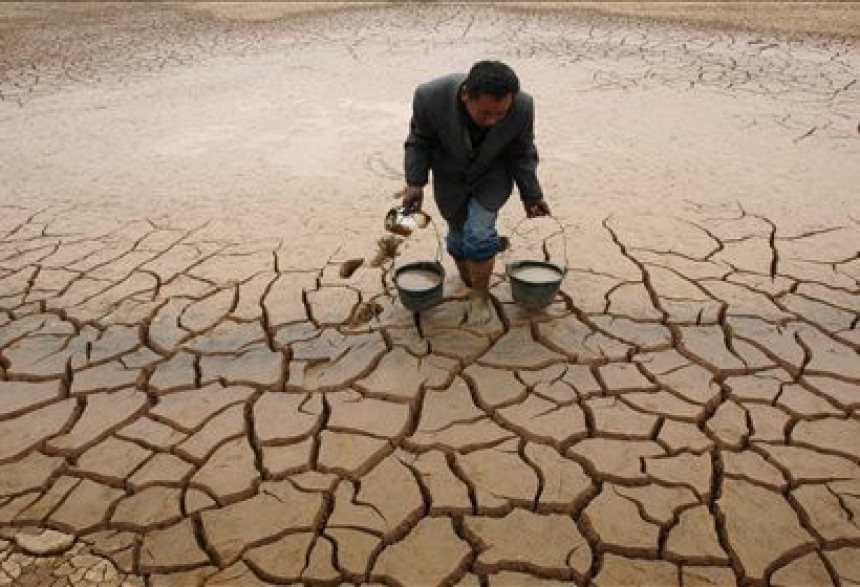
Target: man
476,133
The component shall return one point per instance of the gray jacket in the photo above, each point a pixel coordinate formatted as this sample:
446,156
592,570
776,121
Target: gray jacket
439,141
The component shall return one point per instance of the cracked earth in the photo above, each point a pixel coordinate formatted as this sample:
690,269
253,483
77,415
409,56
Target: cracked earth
206,377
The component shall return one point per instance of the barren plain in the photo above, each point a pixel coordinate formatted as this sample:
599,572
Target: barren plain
206,377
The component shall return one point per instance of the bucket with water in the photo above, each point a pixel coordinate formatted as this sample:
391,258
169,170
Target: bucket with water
534,284
419,284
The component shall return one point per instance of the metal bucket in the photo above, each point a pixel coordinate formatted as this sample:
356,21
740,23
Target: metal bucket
420,299
535,294
417,298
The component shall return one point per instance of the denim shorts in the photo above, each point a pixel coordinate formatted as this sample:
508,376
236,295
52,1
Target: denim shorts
477,240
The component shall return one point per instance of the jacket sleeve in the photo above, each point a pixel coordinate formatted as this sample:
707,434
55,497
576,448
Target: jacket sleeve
419,144
523,160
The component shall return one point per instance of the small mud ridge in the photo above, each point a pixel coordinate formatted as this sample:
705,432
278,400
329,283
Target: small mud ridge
189,411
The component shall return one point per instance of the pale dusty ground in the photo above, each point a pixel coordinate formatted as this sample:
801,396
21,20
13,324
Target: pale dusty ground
795,16
198,386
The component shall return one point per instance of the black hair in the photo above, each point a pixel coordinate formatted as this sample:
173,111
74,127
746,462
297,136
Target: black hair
493,78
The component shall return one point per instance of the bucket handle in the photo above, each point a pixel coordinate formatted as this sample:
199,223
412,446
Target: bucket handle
438,237
562,231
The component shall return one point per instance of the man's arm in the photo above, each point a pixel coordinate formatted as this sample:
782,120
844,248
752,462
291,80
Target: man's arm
418,147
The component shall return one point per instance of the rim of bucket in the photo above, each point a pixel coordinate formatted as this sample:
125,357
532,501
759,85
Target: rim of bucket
514,265
435,266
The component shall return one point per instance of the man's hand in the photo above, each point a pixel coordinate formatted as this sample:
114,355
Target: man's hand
413,198
536,208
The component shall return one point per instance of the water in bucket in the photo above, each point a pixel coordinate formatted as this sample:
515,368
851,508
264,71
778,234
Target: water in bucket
536,274
416,279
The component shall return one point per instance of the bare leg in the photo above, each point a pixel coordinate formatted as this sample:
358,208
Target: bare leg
480,307
463,268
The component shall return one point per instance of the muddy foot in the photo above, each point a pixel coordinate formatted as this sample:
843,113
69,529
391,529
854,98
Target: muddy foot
480,310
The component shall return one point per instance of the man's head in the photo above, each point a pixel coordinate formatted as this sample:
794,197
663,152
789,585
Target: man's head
489,91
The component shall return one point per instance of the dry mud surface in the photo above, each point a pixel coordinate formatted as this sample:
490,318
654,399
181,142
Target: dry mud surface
206,377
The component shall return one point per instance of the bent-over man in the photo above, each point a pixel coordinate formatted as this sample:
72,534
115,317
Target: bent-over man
476,133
